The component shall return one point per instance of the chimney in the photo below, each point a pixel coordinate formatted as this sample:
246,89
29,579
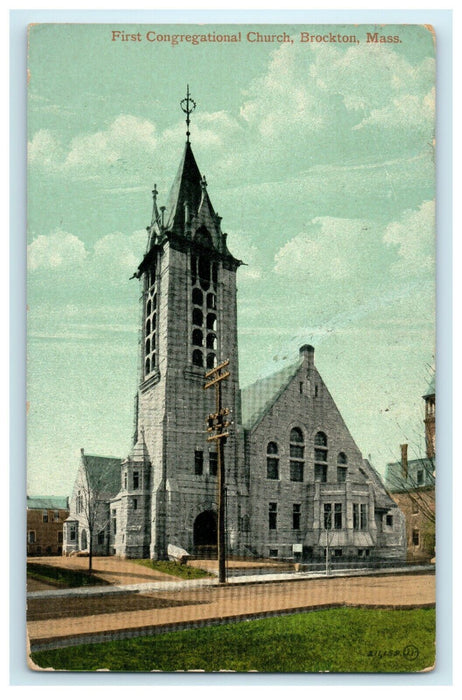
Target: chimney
307,354
404,471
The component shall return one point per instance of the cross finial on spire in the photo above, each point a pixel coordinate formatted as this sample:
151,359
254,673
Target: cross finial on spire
187,105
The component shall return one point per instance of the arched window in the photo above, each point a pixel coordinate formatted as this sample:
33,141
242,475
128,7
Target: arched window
214,273
148,308
148,347
154,322
147,366
212,341
272,462
211,360
297,454
148,327
197,337
342,469
211,322
320,457
197,358
197,296
198,317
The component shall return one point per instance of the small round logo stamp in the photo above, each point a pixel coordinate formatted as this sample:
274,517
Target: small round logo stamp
410,652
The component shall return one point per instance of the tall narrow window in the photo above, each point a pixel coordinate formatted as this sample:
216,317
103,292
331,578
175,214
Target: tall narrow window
341,467
296,513
136,480
338,516
320,457
198,462
272,461
327,516
272,516
363,516
297,454
355,516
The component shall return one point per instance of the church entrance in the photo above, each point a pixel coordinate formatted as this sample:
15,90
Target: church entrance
205,533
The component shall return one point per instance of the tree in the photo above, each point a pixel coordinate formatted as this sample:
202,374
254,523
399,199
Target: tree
93,482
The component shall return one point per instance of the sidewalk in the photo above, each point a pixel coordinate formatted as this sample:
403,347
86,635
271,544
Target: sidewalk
137,610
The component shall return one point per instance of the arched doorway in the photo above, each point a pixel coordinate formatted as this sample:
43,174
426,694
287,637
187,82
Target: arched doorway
205,531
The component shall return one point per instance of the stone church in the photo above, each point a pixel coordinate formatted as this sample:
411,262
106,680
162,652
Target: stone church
296,482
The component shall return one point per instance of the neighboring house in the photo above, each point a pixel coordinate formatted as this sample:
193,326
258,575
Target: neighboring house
97,481
412,485
45,519
296,482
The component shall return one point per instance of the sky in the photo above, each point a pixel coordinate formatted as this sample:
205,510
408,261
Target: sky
319,156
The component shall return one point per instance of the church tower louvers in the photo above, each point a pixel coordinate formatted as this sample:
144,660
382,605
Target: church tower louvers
188,325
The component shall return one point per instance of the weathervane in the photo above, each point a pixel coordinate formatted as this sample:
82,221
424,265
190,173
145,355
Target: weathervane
187,105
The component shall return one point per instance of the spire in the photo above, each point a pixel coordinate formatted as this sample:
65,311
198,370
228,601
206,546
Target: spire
188,106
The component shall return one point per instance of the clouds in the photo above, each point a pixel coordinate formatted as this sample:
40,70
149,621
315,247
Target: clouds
330,249
114,257
57,250
414,238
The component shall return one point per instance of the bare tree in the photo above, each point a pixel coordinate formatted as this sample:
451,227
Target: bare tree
92,501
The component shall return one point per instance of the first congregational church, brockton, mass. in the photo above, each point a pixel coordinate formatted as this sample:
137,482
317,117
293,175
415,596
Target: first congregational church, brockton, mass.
296,483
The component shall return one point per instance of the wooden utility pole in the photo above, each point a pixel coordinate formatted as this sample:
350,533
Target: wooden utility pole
216,423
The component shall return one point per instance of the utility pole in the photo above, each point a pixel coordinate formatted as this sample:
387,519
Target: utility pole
217,424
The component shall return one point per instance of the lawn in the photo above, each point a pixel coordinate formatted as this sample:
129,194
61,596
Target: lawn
335,640
63,578
174,568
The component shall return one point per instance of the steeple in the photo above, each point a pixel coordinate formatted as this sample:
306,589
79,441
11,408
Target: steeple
189,214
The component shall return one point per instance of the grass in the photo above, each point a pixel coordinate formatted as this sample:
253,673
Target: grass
336,640
62,578
174,568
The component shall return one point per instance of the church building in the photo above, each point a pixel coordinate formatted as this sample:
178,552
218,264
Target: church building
296,482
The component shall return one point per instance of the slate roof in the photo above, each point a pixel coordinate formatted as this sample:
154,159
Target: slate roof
382,497
186,187
103,474
47,503
258,398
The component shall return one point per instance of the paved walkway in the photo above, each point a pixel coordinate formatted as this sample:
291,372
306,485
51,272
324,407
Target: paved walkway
139,610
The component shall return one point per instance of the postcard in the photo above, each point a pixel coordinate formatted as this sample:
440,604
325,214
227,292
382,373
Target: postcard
231,348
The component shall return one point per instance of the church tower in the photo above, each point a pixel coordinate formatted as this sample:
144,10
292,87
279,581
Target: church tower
188,325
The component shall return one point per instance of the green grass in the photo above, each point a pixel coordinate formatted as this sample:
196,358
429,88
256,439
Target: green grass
336,640
174,569
63,578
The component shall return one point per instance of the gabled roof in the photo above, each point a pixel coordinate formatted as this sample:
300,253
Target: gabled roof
103,474
382,497
47,503
259,397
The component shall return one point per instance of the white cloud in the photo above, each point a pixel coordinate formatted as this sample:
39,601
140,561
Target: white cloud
59,249
241,247
330,249
114,256
44,149
414,236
